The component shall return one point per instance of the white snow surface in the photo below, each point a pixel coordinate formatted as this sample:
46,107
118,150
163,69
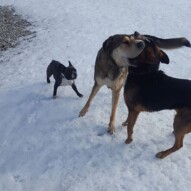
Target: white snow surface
44,145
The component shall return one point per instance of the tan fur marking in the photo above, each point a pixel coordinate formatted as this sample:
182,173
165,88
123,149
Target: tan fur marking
126,38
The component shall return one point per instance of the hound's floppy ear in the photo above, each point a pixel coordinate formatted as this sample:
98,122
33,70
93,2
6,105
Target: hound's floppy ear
108,44
164,57
70,64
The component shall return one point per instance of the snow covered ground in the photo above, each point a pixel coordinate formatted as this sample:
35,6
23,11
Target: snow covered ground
43,144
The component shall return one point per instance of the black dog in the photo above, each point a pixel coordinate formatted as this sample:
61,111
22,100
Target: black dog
148,89
64,76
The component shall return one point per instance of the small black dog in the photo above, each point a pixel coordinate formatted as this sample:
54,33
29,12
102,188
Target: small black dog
64,76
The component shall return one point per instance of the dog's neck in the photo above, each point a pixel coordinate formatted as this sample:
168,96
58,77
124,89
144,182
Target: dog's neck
143,69
66,82
63,75
62,68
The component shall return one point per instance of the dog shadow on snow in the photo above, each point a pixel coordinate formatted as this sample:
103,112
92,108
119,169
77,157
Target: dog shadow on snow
43,91
39,96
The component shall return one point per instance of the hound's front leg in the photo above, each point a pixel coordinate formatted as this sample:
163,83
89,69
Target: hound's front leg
95,89
115,100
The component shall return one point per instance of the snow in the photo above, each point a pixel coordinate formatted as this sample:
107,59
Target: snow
43,144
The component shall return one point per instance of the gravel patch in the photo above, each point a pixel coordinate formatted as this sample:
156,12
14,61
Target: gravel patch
12,27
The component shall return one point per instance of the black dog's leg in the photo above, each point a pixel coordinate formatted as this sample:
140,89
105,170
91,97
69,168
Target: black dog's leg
55,89
48,80
76,90
57,83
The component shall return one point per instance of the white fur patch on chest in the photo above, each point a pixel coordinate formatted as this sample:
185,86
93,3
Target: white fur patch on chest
113,84
66,82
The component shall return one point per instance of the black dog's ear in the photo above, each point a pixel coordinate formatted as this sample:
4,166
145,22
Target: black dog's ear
164,57
70,64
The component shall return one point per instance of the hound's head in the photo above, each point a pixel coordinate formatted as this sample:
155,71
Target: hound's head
122,47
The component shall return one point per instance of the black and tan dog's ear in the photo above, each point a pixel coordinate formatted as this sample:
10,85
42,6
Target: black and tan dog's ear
70,64
170,43
186,42
164,57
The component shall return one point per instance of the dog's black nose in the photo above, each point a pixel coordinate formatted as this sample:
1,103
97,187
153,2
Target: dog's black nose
140,44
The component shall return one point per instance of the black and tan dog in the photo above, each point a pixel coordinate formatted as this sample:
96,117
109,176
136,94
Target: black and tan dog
111,66
148,89
64,76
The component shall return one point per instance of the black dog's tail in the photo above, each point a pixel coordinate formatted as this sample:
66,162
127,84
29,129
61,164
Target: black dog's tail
170,43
